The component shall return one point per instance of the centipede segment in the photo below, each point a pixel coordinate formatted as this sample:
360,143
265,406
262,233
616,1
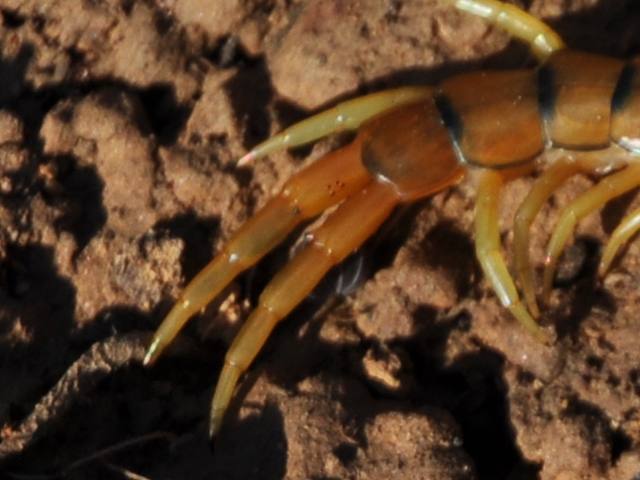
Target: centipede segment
577,113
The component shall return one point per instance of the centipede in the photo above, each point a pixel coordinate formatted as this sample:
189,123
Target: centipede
489,127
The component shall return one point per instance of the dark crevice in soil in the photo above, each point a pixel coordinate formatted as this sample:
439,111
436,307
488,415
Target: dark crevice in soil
346,453
482,413
614,211
598,425
243,176
620,443
166,115
447,247
11,19
579,260
577,276
250,92
81,200
198,234
13,72
39,291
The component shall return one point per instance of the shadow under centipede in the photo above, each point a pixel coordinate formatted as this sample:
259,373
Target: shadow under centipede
577,276
614,211
375,254
446,246
472,390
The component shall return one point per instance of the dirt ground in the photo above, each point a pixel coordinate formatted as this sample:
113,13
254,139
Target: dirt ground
120,124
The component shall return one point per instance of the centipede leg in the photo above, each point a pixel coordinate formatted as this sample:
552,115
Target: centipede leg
597,196
308,193
542,40
629,226
542,189
488,250
348,115
342,233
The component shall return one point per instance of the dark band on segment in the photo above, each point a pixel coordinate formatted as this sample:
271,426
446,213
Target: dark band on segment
625,106
624,88
452,122
546,98
576,93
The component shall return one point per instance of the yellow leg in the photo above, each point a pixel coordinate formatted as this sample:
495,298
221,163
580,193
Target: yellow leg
308,193
542,40
542,189
609,187
488,250
628,227
347,115
343,232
